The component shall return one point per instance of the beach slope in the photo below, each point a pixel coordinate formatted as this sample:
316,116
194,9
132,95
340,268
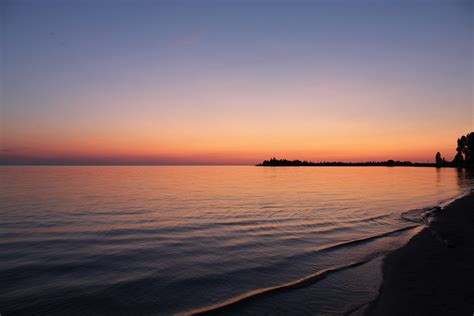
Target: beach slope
433,274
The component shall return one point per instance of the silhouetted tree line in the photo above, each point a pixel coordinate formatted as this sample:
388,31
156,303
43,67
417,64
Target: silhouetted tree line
464,154
274,162
464,159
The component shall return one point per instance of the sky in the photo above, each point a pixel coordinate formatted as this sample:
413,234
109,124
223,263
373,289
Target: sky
233,82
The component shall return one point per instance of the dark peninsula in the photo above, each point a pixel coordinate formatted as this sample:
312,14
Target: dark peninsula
274,162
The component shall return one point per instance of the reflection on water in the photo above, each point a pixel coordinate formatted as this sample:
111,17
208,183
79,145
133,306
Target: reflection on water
174,239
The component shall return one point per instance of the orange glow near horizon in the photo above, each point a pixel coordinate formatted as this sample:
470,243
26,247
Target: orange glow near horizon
236,134
245,146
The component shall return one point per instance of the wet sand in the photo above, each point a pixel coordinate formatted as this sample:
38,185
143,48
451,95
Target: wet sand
433,274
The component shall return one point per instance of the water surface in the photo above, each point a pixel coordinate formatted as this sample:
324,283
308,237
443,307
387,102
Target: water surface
165,240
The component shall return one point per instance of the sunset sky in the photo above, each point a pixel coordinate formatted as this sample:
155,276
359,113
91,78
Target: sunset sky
234,82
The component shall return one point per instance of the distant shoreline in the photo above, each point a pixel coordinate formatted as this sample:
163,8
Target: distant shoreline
389,163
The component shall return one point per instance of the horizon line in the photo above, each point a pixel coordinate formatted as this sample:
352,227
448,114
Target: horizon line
19,164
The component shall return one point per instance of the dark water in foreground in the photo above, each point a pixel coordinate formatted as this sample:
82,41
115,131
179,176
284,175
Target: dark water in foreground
164,240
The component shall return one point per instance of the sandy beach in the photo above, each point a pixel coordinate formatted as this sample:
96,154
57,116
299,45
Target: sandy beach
433,273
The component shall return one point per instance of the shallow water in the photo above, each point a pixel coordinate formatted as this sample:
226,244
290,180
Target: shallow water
164,240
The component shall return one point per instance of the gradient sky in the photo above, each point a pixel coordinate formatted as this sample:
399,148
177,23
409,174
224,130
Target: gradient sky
234,82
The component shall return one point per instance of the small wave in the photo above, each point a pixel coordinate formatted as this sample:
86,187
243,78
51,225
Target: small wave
349,243
305,281
424,215
420,215
308,280
464,192
365,239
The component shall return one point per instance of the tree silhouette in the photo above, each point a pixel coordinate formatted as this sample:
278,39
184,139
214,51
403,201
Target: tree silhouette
465,151
438,159
468,149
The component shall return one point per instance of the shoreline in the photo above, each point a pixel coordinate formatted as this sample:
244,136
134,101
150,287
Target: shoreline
433,273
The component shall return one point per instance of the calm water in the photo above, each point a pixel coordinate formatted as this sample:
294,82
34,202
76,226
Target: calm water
165,240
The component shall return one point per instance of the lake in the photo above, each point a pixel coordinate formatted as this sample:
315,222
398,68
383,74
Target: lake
180,239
